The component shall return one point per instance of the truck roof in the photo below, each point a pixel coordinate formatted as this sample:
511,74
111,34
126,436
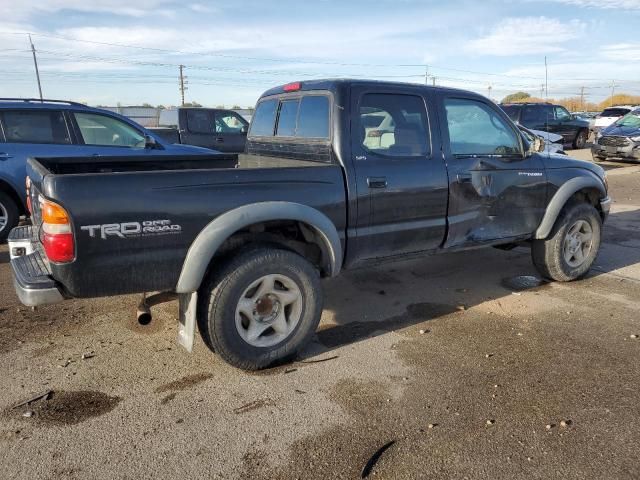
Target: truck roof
332,84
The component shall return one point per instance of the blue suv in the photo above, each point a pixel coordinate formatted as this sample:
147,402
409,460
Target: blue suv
31,128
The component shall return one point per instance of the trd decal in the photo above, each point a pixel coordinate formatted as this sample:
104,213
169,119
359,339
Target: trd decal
132,229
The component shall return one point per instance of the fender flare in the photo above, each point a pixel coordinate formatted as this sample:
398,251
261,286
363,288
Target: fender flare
219,230
560,198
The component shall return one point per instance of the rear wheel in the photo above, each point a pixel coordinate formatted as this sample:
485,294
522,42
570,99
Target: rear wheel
597,158
9,215
572,246
581,139
260,308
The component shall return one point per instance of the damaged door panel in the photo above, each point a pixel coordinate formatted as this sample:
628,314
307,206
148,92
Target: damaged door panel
497,191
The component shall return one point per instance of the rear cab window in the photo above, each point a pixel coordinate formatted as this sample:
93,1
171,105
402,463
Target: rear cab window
35,126
513,111
300,120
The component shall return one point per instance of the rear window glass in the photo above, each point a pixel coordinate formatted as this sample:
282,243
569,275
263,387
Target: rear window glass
35,127
287,118
615,112
313,119
306,117
264,118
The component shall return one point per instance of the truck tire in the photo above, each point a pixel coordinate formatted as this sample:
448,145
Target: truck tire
260,308
581,139
9,215
597,158
572,246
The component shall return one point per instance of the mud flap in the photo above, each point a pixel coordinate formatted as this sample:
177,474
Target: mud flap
187,303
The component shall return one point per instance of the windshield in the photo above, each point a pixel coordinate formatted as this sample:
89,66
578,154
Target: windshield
630,120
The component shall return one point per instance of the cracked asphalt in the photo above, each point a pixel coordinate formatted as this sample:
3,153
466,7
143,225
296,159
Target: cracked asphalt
450,367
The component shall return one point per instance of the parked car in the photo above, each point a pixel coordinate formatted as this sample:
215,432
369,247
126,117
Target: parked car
609,116
34,128
222,130
622,139
552,143
550,118
244,248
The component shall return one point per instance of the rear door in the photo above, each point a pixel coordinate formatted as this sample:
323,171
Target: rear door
401,178
562,124
496,190
537,117
31,133
197,127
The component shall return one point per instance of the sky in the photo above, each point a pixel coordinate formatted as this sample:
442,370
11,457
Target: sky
108,52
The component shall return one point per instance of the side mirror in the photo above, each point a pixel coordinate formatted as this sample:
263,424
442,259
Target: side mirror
150,142
538,144
244,129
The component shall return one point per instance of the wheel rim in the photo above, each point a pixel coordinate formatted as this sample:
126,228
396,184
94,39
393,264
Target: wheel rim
269,310
578,243
4,217
582,140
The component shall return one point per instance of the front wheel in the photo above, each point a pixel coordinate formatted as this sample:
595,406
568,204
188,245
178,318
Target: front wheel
9,215
260,308
581,139
572,246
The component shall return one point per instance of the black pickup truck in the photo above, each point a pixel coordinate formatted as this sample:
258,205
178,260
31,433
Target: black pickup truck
218,129
336,174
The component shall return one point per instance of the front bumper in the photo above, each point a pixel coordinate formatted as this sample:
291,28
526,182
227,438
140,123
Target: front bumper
31,275
631,151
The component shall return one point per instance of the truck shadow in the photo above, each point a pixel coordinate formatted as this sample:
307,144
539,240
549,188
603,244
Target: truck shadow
363,304
4,257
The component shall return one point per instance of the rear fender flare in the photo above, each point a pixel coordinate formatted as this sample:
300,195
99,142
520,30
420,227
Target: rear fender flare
219,230
560,198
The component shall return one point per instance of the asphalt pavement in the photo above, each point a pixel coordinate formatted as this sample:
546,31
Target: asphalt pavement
456,366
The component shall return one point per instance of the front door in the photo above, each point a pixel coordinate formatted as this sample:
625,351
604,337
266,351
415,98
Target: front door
231,131
197,127
497,191
401,178
562,124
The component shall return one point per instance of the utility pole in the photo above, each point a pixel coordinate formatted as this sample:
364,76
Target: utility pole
433,78
489,89
613,90
582,99
35,63
182,84
546,79
426,74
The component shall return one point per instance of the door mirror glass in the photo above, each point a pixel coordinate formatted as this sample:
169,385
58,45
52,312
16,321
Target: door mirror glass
150,142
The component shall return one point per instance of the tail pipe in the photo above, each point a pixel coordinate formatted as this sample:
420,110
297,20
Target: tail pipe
143,312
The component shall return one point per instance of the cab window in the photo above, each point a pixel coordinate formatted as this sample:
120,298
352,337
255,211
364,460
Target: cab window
476,129
107,131
264,119
37,126
394,125
229,122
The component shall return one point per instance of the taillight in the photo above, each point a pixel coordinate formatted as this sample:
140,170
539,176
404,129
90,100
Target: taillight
57,236
27,184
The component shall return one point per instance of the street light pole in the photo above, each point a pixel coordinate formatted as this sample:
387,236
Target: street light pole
35,63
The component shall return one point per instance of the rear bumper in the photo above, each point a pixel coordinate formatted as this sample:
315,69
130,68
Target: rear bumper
31,275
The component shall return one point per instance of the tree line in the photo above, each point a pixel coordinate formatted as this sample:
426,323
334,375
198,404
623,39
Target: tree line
575,104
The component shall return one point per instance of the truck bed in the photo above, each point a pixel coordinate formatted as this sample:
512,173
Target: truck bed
186,194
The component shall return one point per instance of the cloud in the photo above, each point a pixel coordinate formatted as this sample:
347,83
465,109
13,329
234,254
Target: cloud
604,4
140,8
526,36
623,52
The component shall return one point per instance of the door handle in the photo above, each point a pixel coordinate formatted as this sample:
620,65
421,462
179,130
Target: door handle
5,156
377,182
464,178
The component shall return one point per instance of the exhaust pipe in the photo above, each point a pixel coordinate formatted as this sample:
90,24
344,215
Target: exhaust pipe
143,312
